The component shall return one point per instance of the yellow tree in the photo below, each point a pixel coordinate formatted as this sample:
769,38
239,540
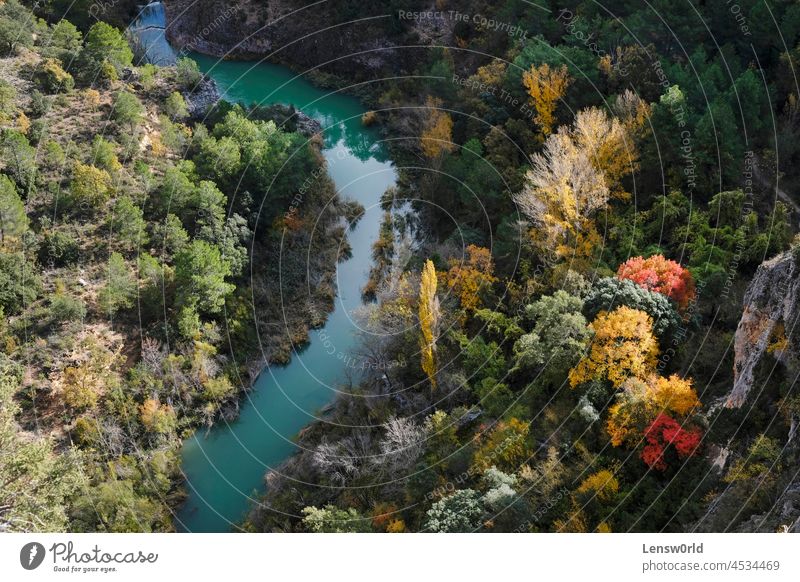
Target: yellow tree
428,320
546,86
437,132
623,346
466,279
575,175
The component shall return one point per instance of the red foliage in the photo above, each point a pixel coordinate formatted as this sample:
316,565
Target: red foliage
665,431
660,275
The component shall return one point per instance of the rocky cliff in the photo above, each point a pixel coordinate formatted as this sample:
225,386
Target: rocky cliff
768,323
301,34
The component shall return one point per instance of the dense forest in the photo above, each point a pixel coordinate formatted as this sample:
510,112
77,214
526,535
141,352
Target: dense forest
552,331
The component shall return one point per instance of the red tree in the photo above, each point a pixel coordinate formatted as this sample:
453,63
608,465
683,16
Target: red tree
660,275
665,431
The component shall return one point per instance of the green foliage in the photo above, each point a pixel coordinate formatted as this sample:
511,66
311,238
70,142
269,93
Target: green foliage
609,293
128,110
200,274
120,288
13,220
19,158
175,106
20,283
128,224
37,481
58,249
105,53
16,27
51,78
556,340
188,73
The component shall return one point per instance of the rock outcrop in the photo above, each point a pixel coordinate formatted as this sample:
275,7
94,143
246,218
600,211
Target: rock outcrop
771,306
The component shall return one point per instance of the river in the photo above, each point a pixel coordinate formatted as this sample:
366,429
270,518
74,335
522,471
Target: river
225,468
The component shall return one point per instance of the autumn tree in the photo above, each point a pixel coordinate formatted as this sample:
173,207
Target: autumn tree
546,86
664,434
661,275
623,346
601,485
641,401
428,320
468,279
91,186
156,417
437,132
505,446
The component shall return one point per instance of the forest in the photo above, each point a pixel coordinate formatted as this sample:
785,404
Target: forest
598,194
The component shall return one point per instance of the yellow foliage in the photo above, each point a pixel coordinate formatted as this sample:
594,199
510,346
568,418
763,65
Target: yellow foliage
396,526
467,280
602,484
428,320
437,135
623,346
23,123
546,87
641,401
506,447
603,527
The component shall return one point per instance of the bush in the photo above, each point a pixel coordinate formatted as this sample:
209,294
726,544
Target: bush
64,308
188,73
58,249
175,106
127,109
51,78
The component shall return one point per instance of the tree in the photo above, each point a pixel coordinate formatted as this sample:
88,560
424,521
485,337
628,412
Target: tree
505,447
661,275
175,106
13,219
557,339
20,283
37,481
601,485
128,224
609,292
458,513
562,192
428,320
200,274
127,109
120,287
156,417
188,73
104,44
546,87
91,186
437,133
623,346
641,401
331,519
16,24
663,432
20,159
51,78
468,280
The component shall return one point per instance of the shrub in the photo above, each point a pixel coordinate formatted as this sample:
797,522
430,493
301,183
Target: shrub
51,78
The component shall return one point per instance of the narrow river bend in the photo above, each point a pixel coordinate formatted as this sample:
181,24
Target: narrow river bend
225,468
